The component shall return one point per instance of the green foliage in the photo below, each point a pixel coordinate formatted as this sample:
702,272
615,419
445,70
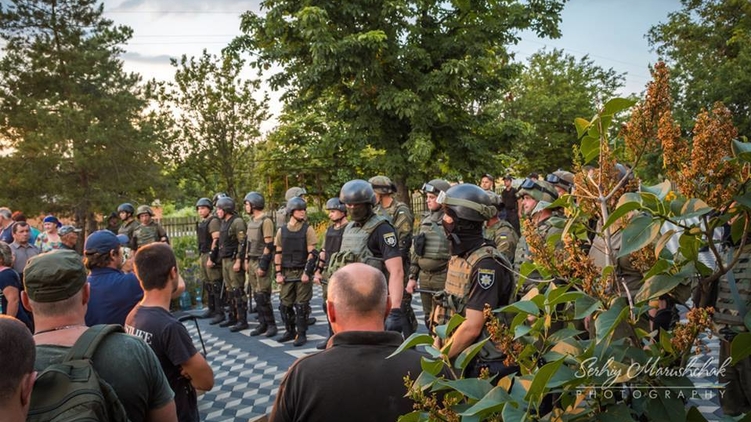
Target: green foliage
708,45
186,251
411,82
73,121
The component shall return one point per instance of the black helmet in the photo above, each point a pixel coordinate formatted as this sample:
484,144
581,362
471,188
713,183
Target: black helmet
335,204
126,207
436,186
468,202
295,204
205,202
357,191
219,195
226,204
255,200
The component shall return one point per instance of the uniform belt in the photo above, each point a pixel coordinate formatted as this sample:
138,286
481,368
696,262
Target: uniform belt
440,269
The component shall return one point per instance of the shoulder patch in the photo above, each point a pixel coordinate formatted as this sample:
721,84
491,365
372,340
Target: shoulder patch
390,239
486,278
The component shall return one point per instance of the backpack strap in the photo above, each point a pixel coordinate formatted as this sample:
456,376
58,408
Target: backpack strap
86,345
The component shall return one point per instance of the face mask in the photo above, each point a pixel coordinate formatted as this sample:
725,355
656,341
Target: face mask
360,213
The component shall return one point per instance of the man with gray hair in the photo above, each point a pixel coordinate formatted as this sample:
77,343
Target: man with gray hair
328,386
6,225
17,354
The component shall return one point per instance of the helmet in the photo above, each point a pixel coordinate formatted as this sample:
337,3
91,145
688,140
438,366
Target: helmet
468,202
540,190
226,204
217,196
126,207
144,209
562,179
495,200
205,202
382,185
294,192
335,204
295,204
255,200
436,186
357,191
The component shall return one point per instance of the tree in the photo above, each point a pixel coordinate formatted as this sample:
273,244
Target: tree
71,118
410,81
708,46
553,89
214,120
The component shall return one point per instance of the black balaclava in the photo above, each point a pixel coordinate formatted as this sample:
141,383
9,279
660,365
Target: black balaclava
464,236
360,214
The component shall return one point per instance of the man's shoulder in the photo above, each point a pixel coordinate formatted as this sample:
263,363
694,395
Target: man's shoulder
111,274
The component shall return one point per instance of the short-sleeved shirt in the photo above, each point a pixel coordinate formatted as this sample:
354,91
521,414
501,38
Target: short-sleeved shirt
173,346
491,284
21,254
128,365
45,244
9,278
113,295
378,244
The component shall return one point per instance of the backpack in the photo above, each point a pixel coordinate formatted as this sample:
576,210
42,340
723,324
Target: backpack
72,391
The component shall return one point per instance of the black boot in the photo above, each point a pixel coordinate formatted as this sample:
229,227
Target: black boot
242,312
232,315
211,310
288,317
262,327
302,311
411,326
218,306
268,314
323,343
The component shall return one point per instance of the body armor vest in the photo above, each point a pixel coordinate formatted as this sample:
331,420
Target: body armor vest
146,234
128,228
204,237
727,311
294,247
228,243
435,252
354,246
333,242
255,236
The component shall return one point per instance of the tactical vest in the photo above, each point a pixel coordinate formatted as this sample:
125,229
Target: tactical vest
294,247
146,234
228,244
204,237
354,246
726,309
435,253
255,236
333,242
128,228
458,285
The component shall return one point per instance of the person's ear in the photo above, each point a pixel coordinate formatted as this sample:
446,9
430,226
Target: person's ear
27,385
388,307
25,301
331,311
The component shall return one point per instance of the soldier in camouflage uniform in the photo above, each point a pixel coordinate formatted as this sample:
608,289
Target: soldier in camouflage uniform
149,231
500,231
207,231
430,250
230,250
535,196
126,211
403,220
562,180
260,251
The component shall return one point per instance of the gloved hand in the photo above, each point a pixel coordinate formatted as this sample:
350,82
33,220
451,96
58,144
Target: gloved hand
395,321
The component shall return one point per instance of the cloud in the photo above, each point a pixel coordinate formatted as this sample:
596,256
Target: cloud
161,59
170,6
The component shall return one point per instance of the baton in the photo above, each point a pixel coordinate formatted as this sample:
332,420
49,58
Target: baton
430,292
193,317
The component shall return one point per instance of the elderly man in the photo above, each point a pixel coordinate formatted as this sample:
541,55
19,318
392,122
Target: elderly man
17,354
328,386
22,247
68,237
58,295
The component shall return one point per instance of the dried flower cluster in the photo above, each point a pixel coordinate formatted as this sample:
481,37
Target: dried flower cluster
640,133
576,264
686,335
541,253
501,337
429,403
644,259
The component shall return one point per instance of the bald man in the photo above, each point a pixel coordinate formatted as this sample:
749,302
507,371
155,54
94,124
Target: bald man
351,379
17,353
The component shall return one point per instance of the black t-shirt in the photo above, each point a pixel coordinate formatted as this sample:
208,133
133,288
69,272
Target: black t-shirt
491,284
173,346
383,242
9,278
509,199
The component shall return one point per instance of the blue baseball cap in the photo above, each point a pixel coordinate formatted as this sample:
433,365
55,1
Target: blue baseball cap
101,241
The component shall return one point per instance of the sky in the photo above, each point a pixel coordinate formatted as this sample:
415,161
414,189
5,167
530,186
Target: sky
611,32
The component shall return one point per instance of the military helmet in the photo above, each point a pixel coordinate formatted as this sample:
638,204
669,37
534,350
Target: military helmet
126,207
562,179
540,190
382,185
335,204
294,192
357,191
205,202
255,200
226,204
218,196
495,200
144,209
295,204
436,186
468,202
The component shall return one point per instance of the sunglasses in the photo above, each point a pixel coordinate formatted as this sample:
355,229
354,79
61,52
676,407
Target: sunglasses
530,184
552,178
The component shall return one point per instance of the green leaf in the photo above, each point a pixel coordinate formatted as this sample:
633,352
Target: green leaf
665,341
473,388
465,356
664,239
563,334
619,212
567,297
590,148
585,305
617,413
523,306
694,415
744,199
660,190
415,339
616,105
493,402
582,125
424,380
431,366
695,207
639,232
511,413
607,321
540,381
656,286
742,150
740,348
737,228
415,416
444,331
688,246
